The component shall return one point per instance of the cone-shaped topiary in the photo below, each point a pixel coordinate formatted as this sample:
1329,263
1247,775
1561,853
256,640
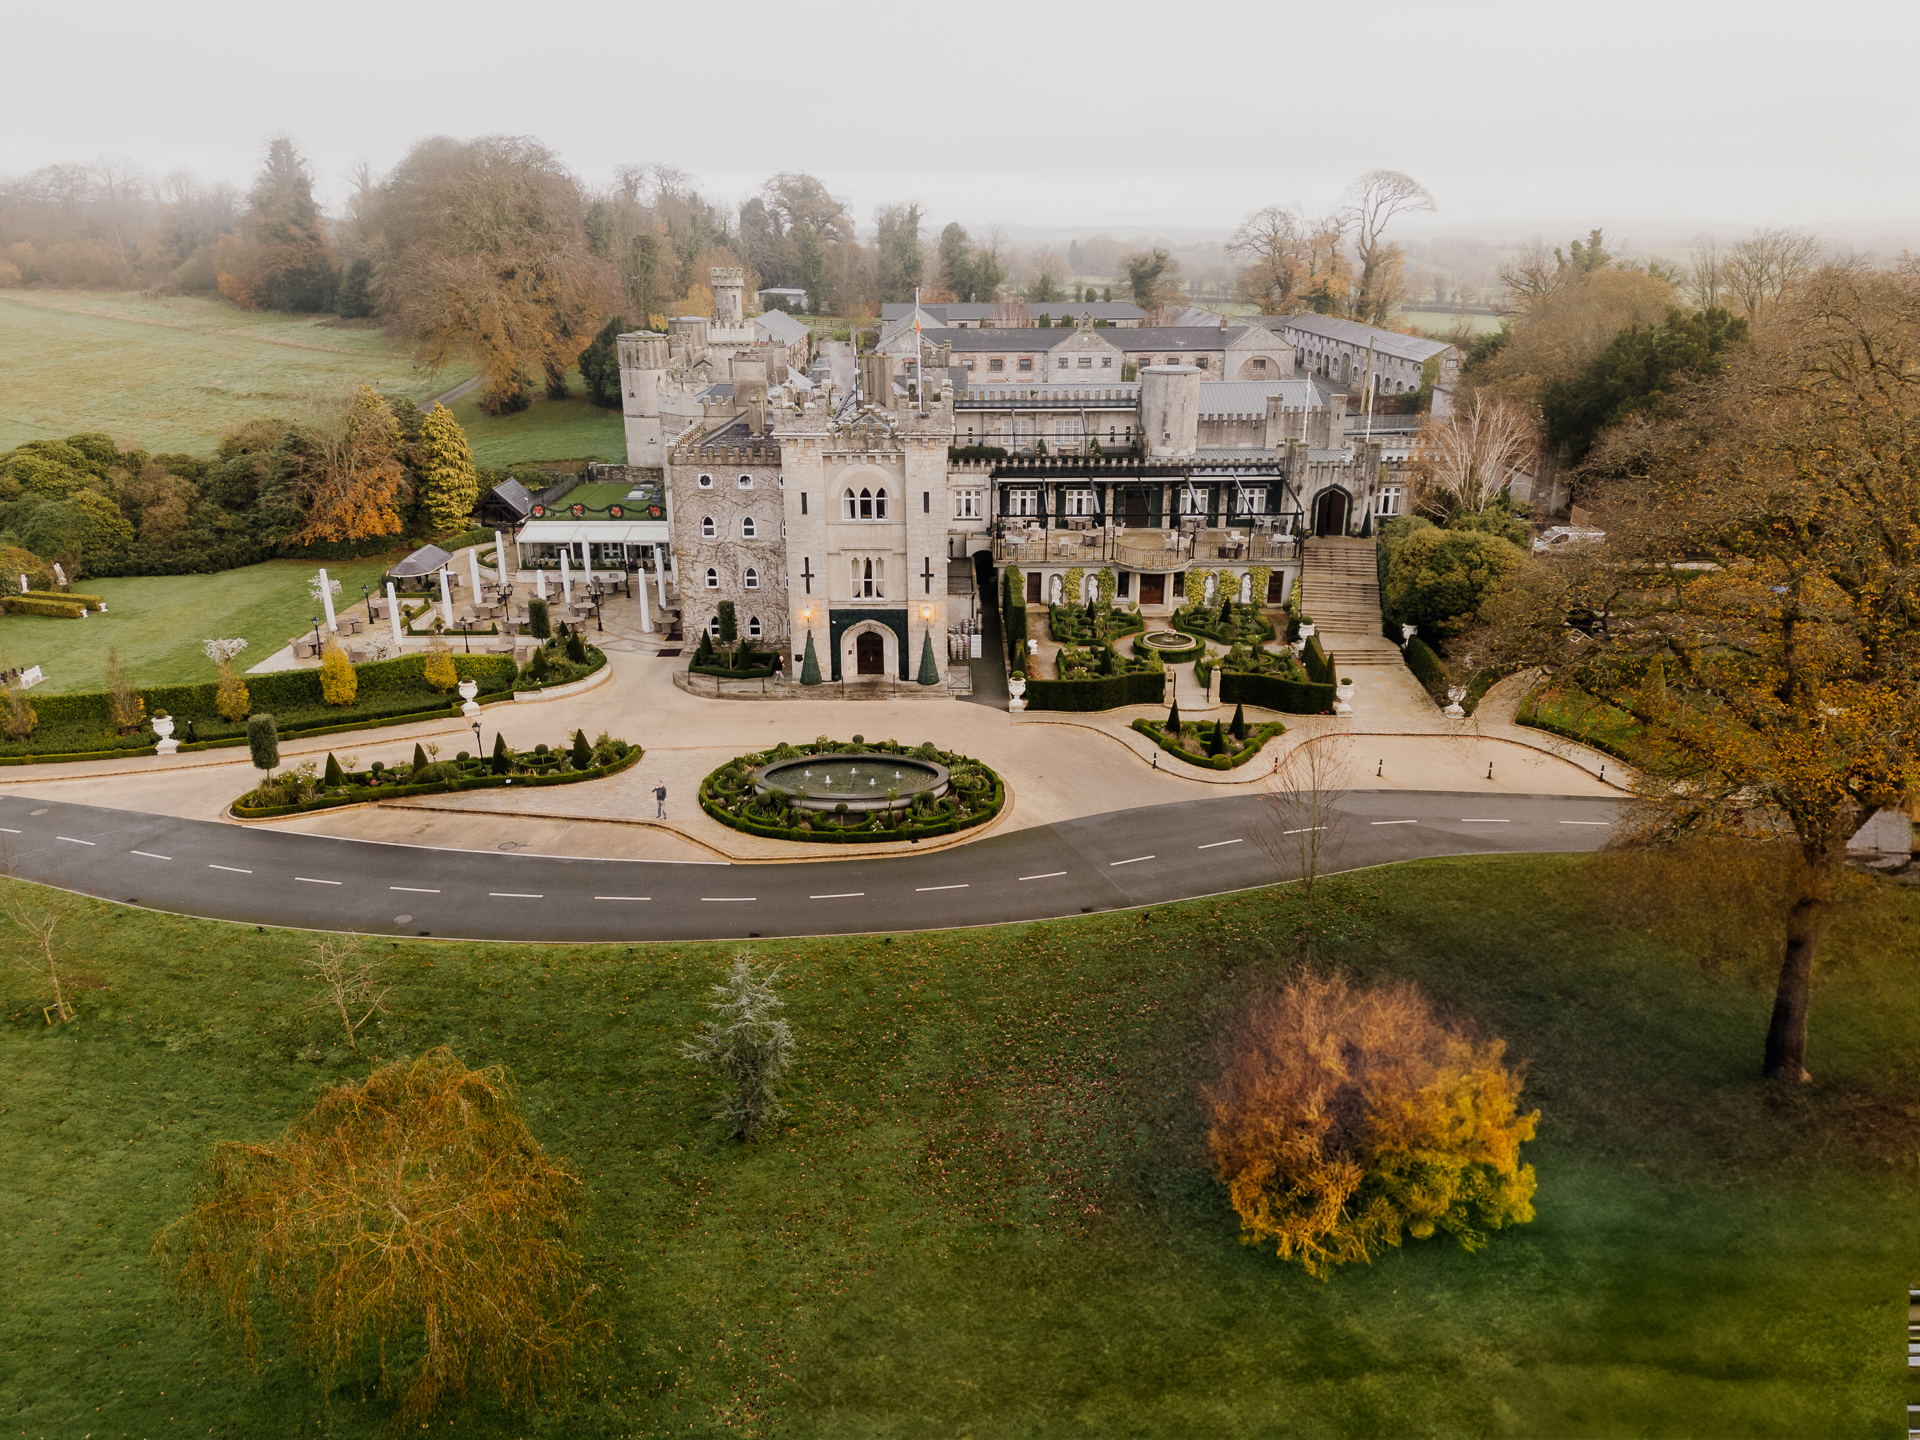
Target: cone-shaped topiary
1217,741
501,761
1173,719
1239,726
582,752
576,649
810,667
419,758
539,625
334,778
929,667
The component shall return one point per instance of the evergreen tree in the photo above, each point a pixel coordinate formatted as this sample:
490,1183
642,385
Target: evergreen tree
419,759
500,761
446,470
539,625
334,779
1240,722
582,752
810,667
729,625
1173,719
1217,741
263,741
929,667
600,365
278,257
355,300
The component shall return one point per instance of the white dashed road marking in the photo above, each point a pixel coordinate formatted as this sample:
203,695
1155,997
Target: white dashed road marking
623,897
728,899
513,895
149,855
413,889
1050,875
846,895
1586,822
235,869
71,841
922,889
1486,822
1304,830
1134,861
1215,845
1394,822
309,880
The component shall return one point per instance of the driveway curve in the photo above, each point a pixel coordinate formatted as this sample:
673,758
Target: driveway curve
1120,860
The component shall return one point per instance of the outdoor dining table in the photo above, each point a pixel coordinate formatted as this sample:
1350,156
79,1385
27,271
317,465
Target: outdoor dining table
351,625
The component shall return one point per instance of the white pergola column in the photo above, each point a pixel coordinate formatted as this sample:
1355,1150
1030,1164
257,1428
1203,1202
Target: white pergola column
326,599
393,617
446,599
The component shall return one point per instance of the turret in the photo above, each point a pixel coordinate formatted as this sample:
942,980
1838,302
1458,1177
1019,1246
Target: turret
1170,410
643,360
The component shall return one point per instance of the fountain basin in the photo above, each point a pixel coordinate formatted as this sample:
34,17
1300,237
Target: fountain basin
1167,640
860,782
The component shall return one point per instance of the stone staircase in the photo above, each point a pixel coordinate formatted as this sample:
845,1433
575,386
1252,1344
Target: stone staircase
1340,589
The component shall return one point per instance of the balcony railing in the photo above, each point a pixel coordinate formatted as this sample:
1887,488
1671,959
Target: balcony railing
1141,548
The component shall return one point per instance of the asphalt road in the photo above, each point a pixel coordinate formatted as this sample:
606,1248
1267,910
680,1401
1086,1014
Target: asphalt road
1128,858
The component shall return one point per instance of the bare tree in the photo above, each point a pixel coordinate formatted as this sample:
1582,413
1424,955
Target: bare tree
1301,796
1376,197
1289,256
36,917
347,983
1468,459
1532,275
1706,274
1766,265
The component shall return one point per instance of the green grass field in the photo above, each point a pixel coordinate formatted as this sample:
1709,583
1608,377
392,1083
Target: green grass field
1441,322
570,429
990,1213
158,622
172,373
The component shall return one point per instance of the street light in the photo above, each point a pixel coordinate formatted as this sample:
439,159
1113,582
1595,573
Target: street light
476,741
316,637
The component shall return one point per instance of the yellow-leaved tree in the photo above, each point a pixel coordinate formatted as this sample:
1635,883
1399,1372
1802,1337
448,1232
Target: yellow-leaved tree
446,470
339,682
438,670
1345,1119
410,1221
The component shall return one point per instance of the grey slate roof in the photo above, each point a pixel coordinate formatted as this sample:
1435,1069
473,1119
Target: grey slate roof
1172,339
1235,455
424,561
512,494
1352,332
778,325
973,311
1249,397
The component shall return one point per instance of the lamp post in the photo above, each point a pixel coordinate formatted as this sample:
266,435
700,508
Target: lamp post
316,637
476,741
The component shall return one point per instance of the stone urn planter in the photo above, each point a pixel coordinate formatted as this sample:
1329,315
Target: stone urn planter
1017,693
1306,630
1455,694
469,689
1343,697
163,727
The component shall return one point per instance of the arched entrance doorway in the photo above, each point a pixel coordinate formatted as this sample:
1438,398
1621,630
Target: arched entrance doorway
1330,513
869,654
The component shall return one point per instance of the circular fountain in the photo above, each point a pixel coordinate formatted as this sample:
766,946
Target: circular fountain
860,782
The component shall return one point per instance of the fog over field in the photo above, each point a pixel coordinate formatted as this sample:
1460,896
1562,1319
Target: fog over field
1658,121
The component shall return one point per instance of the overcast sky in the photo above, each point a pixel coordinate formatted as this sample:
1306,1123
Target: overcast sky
1123,116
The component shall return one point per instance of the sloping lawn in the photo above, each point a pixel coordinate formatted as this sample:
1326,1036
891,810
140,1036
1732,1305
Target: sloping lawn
990,1213
159,622
570,429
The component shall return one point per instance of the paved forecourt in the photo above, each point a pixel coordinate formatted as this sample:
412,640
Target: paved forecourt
1127,858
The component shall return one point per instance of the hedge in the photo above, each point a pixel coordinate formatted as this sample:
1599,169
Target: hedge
1426,668
438,787
72,597
1256,738
833,835
1105,692
61,609
1319,663
390,691
1190,627
1272,692
1131,621
596,657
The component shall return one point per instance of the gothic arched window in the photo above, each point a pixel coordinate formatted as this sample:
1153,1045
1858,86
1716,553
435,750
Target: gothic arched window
707,530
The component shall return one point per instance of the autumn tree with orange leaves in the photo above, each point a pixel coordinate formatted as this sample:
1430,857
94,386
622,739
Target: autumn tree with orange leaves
354,480
1344,1120
412,1223
1756,604
483,253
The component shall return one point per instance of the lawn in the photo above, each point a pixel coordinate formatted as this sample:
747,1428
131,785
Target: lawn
1443,322
570,429
173,372
1571,712
159,622
989,1213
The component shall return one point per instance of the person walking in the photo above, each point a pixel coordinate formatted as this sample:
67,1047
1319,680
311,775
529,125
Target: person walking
660,801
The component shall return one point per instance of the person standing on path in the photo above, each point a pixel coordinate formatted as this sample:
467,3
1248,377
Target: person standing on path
660,801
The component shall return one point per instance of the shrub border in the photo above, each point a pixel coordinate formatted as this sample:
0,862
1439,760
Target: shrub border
1256,740
441,787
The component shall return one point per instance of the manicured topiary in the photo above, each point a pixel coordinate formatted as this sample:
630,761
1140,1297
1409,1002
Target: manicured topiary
1173,718
1239,727
419,758
334,777
1217,741
810,667
582,752
501,760
576,649
539,624
263,741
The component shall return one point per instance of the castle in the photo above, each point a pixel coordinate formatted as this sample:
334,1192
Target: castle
843,516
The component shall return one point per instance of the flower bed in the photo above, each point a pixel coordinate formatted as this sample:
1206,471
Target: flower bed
1191,744
1242,624
551,666
304,787
974,797
1072,623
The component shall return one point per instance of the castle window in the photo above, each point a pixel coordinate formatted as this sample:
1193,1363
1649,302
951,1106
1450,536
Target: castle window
753,627
713,578
1023,502
713,627
1106,362
1086,362
707,531
1062,364
1389,501
1256,500
753,578
803,502
1201,361
747,529
869,579
866,504
1258,363
746,482
966,364
880,504
851,505
706,482
966,505
996,366
1079,503
1026,362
